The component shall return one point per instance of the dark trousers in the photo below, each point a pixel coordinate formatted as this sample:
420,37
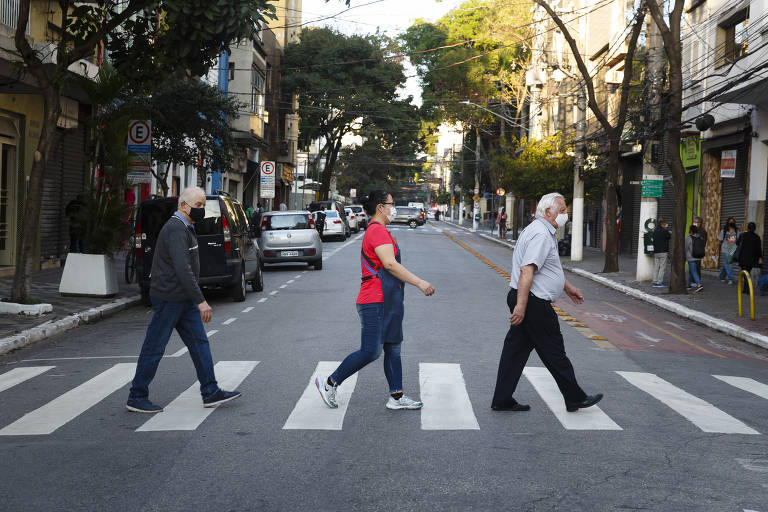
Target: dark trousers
184,316
539,330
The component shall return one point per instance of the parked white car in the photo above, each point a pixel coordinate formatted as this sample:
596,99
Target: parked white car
334,225
362,217
353,219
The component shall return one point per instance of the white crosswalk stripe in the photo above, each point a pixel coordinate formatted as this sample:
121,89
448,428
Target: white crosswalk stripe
19,375
444,393
592,418
311,413
747,384
186,412
71,404
702,414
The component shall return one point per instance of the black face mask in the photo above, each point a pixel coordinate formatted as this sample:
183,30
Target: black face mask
732,224
196,214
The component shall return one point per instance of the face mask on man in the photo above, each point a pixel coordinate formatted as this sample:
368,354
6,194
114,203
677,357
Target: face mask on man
197,214
392,213
561,219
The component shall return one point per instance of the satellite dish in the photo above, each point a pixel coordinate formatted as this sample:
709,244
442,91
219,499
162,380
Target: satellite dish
705,122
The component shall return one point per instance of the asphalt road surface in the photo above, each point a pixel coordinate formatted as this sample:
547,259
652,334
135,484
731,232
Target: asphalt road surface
683,424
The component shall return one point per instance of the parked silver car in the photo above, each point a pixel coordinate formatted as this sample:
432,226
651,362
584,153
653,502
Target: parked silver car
335,227
290,236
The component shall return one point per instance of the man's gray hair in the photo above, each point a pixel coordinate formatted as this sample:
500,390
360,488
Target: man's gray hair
188,195
547,201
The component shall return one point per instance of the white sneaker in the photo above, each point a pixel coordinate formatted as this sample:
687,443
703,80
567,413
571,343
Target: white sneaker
328,393
403,403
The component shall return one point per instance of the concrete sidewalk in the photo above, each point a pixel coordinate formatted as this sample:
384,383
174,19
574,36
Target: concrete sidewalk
68,312
715,306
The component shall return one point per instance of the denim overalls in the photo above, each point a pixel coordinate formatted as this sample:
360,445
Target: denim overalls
393,290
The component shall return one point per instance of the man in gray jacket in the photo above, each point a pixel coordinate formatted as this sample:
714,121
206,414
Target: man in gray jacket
178,303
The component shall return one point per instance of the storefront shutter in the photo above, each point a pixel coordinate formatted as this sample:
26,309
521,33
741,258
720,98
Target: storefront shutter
734,192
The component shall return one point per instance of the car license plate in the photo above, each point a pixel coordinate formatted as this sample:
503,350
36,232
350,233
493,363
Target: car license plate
289,254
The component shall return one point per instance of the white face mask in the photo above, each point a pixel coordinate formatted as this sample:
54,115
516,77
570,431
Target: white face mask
561,219
392,213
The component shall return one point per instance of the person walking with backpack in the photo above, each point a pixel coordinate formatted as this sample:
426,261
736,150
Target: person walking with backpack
727,237
379,306
503,223
694,251
750,251
661,238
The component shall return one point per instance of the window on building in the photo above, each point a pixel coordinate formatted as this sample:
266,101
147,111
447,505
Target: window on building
257,92
231,70
732,38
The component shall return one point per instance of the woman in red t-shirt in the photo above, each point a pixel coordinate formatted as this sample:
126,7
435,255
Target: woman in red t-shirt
380,307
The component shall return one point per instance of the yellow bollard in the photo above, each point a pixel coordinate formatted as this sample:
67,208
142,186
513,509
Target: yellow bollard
751,294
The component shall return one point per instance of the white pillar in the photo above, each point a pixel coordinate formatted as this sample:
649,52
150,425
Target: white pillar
577,229
648,209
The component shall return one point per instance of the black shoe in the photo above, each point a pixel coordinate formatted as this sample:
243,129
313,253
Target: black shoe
219,397
587,402
512,406
142,405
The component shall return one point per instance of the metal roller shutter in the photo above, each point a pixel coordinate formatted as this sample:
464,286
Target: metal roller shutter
64,178
630,205
734,192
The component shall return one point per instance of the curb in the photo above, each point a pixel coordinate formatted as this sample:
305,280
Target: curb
25,309
50,328
697,316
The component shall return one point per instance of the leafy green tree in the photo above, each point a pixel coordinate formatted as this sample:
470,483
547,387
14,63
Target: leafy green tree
347,87
141,36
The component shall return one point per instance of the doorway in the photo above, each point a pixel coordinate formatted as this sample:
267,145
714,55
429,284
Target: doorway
8,165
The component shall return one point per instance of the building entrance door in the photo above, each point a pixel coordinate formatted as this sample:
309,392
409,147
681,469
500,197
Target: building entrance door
8,166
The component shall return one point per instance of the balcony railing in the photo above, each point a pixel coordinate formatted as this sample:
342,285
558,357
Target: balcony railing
9,13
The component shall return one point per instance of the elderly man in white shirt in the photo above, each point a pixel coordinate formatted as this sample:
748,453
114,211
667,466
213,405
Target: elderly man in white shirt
536,281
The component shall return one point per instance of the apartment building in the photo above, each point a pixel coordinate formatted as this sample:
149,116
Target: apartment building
554,83
21,118
724,62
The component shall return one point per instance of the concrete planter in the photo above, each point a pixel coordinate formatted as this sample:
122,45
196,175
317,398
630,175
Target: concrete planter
91,275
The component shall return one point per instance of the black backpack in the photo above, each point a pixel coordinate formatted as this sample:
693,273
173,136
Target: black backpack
699,247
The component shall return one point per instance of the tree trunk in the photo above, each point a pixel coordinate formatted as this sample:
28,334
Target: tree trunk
49,136
330,162
673,121
611,263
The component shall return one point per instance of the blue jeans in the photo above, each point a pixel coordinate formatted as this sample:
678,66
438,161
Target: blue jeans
185,318
694,272
371,324
727,269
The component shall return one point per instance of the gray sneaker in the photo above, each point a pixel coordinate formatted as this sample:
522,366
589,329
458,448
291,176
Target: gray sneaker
403,403
327,393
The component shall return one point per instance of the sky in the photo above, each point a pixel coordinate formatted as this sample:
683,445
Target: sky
366,16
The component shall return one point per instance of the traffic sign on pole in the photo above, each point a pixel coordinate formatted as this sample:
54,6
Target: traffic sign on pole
139,147
267,180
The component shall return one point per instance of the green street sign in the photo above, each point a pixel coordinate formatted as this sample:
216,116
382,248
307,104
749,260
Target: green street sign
653,185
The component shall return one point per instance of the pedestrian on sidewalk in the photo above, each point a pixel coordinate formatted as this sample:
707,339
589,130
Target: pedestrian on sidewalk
699,223
502,223
536,281
380,307
661,236
178,304
750,252
72,212
694,251
727,238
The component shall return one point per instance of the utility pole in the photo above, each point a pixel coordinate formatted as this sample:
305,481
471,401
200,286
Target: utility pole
649,205
577,224
450,182
476,201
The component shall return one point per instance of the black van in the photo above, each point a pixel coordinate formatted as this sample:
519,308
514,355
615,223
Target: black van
229,257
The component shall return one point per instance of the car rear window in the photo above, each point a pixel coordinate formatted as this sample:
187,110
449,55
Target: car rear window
331,213
406,211
211,224
357,209
289,221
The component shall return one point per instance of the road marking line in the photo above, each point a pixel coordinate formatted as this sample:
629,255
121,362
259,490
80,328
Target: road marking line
305,271
668,333
283,286
747,384
311,413
180,352
77,358
186,412
702,414
645,337
444,393
591,418
19,375
290,281
248,309
229,321
673,324
274,292
211,332
297,276
60,411
263,299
